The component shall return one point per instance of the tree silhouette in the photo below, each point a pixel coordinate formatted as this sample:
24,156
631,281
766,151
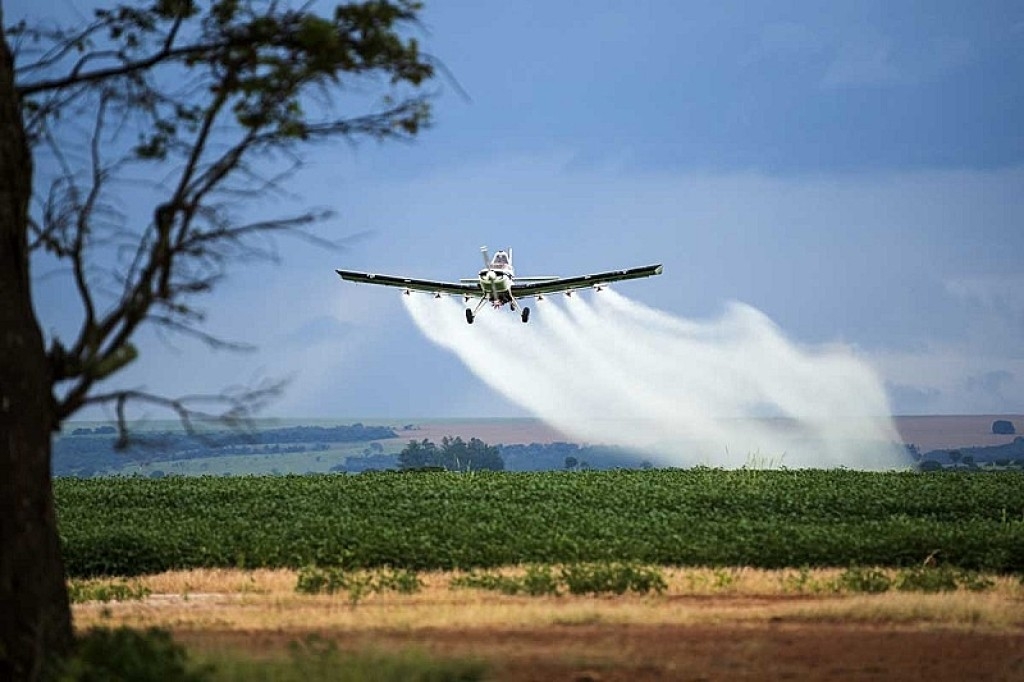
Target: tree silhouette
454,454
192,110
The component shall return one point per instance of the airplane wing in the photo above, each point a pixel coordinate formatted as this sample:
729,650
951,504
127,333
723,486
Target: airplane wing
431,286
560,284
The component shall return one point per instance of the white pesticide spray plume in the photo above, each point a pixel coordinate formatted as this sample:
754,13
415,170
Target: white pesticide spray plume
728,392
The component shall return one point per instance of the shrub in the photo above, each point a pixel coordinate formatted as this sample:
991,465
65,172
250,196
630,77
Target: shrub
800,582
539,581
314,580
150,655
974,581
593,578
616,578
80,591
940,579
493,582
402,581
859,579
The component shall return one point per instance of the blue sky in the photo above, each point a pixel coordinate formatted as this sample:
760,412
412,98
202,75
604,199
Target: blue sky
854,170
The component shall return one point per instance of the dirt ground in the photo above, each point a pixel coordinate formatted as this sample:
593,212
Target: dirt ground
709,624
632,652
937,432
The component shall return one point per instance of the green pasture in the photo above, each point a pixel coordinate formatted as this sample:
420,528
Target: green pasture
317,462
438,520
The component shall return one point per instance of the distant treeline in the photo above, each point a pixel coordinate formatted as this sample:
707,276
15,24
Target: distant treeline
1007,455
86,452
548,456
453,454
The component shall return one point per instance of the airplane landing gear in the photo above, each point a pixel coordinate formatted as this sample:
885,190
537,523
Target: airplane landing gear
526,315
471,314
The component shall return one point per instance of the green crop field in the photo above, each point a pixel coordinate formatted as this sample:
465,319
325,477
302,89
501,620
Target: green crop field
770,519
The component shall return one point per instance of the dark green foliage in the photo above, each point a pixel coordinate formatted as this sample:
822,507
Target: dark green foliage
587,578
494,582
614,578
705,517
538,581
927,577
860,579
331,580
453,455
103,655
418,455
84,590
940,579
262,60
974,581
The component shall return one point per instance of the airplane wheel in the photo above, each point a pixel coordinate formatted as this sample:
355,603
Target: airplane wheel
526,315
469,316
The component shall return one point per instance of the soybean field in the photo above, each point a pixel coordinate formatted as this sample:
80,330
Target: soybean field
440,520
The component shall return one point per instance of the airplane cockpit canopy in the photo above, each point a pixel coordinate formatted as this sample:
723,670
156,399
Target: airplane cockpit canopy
500,259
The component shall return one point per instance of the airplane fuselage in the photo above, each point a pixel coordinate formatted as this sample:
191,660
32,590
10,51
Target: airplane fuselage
496,285
496,279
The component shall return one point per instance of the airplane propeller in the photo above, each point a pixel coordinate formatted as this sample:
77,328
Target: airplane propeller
487,258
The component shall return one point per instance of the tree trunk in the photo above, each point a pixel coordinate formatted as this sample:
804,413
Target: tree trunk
35,619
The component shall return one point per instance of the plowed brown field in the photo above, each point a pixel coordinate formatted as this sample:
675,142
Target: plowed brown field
931,432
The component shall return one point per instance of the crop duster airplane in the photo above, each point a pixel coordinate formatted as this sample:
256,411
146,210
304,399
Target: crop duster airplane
497,283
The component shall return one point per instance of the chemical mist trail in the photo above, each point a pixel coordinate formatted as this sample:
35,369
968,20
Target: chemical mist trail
728,392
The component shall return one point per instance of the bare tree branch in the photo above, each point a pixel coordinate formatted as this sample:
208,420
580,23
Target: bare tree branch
208,339
216,96
78,76
238,407
83,229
